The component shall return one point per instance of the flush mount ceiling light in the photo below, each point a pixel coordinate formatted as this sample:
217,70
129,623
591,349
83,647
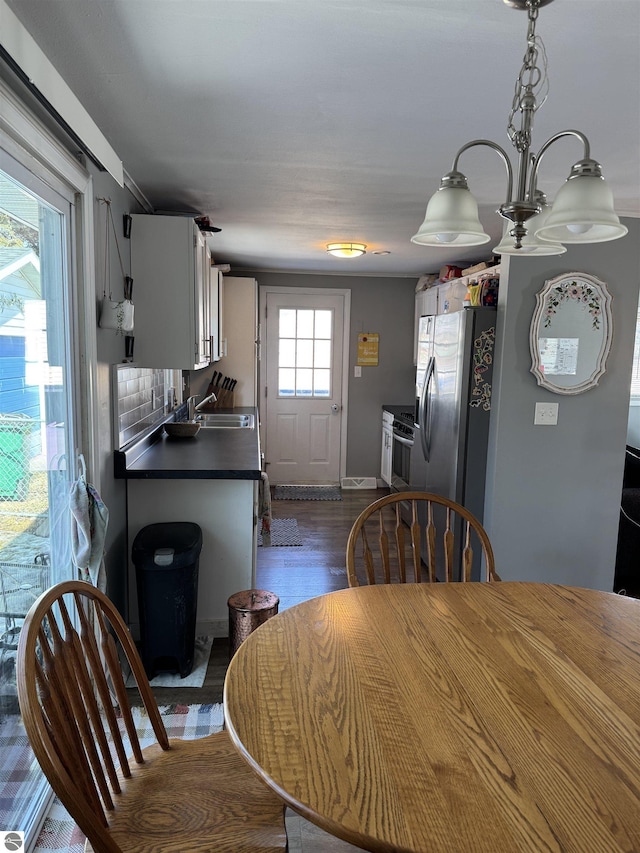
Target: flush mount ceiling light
583,208
346,250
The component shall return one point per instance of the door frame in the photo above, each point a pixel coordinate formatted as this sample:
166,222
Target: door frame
26,140
264,290
30,154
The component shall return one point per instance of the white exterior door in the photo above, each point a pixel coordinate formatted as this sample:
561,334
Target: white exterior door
302,377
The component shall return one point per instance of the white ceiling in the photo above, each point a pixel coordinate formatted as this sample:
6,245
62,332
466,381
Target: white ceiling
294,123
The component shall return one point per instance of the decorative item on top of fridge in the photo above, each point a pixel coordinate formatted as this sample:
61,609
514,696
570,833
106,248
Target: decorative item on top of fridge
482,292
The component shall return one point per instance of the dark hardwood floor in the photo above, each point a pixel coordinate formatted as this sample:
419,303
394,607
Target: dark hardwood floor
293,573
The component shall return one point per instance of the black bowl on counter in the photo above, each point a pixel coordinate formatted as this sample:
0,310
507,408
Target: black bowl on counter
182,429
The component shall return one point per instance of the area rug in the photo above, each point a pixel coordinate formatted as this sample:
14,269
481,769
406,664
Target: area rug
307,493
195,678
284,531
59,831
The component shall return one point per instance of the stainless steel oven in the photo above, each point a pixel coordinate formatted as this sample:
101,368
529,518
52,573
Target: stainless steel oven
401,451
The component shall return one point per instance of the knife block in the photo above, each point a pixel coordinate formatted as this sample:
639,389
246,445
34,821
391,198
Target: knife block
225,399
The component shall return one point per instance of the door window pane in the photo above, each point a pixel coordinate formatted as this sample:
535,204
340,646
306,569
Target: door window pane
304,352
286,382
304,383
287,353
323,324
36,454
304,326
322,353
321,383
287,323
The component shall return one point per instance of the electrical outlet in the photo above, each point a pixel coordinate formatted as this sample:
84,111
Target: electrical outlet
546,414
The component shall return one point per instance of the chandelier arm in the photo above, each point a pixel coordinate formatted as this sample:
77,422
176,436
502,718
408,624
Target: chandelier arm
538,157
500,151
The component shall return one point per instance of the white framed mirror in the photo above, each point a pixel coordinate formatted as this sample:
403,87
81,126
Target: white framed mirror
571,333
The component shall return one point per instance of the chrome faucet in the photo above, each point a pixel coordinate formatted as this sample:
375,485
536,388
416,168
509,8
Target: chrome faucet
192,408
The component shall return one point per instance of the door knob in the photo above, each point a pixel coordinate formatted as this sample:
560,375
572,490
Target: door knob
335,408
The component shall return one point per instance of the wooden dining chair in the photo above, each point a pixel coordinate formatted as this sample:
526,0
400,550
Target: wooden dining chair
438,539
174,795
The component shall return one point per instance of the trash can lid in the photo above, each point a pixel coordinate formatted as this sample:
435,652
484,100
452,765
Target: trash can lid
163,556
181,536
252,600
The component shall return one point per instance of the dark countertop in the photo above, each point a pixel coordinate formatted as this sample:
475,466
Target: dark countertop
214,454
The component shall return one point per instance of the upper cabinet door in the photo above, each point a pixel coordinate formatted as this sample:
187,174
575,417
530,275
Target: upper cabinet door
170,266
215,313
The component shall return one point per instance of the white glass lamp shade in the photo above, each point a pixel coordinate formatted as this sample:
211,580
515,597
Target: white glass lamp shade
531,244
451,220
582,213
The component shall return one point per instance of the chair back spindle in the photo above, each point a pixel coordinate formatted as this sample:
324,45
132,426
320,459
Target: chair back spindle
76,711
419,537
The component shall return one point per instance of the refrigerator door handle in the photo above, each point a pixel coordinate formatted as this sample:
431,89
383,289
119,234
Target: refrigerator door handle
425,408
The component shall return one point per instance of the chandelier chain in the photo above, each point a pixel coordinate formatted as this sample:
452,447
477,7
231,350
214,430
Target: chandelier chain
532,83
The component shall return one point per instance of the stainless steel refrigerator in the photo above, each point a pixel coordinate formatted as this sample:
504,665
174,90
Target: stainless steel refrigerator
453,405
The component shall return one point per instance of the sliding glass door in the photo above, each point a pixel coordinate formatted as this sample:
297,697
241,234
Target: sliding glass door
37,445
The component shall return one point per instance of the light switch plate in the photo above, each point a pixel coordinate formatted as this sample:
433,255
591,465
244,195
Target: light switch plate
357,371
546,414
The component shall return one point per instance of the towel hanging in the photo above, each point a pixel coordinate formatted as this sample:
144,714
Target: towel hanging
89,522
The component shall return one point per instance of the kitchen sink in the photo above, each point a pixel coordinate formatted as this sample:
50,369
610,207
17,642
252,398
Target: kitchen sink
226,420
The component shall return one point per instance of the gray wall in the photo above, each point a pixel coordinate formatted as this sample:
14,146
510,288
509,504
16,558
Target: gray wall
383,305
553,493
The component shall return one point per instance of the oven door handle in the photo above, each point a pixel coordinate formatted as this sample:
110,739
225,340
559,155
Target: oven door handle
403,440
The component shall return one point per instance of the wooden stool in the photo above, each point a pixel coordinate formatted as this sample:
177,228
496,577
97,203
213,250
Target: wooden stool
247,610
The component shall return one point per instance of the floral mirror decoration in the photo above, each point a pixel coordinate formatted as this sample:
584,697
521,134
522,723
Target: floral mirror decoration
571,333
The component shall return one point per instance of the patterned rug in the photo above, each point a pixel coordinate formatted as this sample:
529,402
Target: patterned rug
307,493
284,531
60,832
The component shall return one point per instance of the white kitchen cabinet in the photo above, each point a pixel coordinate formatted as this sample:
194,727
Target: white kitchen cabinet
171,269
241,336
386,458
226,512
215,313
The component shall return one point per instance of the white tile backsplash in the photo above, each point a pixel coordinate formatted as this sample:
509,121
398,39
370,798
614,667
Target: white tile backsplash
134,388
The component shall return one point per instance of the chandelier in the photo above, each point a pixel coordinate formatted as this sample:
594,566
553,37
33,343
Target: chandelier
583,208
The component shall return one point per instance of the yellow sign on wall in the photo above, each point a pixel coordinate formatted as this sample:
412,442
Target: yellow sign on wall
368,348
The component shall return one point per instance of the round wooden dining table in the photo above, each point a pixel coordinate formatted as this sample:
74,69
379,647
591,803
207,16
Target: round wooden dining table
488,717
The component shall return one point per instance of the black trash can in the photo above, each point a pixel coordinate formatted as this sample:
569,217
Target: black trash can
166,558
